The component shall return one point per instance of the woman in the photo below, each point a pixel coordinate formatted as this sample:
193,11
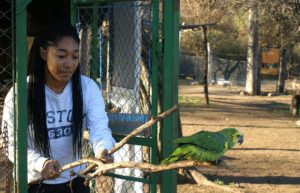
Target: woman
60,103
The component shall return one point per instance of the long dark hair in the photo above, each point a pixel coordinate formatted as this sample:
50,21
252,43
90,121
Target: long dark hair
51,34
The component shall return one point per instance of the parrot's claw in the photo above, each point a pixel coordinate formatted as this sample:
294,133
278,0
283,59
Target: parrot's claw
223,164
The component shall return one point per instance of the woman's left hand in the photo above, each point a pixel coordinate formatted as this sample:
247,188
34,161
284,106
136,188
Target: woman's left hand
102,155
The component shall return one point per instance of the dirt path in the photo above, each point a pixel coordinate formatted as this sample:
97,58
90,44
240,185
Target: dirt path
269,158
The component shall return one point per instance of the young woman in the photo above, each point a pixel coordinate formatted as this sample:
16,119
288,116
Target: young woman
60,103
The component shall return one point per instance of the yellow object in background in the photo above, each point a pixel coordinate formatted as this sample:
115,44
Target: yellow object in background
270,61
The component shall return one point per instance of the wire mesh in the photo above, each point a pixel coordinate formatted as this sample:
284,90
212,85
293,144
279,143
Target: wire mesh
221,69
115,51
6,58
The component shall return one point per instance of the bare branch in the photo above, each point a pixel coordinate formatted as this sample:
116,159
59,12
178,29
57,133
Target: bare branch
97,162
36,181
150,168
134,133
80,162
72,173
146,167
68,166
202,180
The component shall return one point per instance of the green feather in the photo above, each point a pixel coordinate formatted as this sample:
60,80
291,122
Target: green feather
207,140
192,153
204,145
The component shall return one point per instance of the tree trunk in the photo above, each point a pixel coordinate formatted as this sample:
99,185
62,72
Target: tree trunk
252,55
84,47
282,71
209,60
204,28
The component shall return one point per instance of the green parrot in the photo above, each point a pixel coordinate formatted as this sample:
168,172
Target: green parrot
205,145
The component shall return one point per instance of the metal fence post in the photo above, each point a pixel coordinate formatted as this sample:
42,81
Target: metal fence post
170,87
21,72
155,36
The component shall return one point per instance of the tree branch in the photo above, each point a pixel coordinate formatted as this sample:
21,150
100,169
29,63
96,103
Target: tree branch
134,133
146,167
69,166
97,162
150,168
202,180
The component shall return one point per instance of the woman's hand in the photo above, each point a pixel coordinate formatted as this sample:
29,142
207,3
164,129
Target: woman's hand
51,170
102,155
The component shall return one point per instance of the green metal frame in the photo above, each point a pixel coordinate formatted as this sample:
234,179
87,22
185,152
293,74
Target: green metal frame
170,87
170,63
99,1
154,77
169,91
20,70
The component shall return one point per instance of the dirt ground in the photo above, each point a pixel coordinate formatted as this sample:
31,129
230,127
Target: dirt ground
268,160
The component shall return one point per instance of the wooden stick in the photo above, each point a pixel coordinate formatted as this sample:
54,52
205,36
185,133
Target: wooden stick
80,162
150,168
97,162
146,167
144,93
141,128
114,110
68,166
132,134
36,181
72,173
203,181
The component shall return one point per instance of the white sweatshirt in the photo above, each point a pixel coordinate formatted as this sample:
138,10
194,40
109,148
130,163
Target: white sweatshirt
58,117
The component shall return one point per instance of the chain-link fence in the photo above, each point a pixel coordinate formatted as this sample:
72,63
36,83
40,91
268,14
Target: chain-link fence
230,73
115,52
221,69
6,63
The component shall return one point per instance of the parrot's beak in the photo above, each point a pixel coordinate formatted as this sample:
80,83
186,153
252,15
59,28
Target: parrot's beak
241,140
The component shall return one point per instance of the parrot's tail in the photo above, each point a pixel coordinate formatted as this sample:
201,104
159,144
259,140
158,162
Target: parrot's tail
173,158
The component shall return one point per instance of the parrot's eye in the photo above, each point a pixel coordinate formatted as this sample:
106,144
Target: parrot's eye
238,135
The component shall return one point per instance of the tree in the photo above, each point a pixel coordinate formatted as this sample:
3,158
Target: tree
279,22
252,85
278,25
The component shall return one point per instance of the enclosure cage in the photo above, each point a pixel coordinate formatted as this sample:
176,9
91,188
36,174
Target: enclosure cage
131,50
